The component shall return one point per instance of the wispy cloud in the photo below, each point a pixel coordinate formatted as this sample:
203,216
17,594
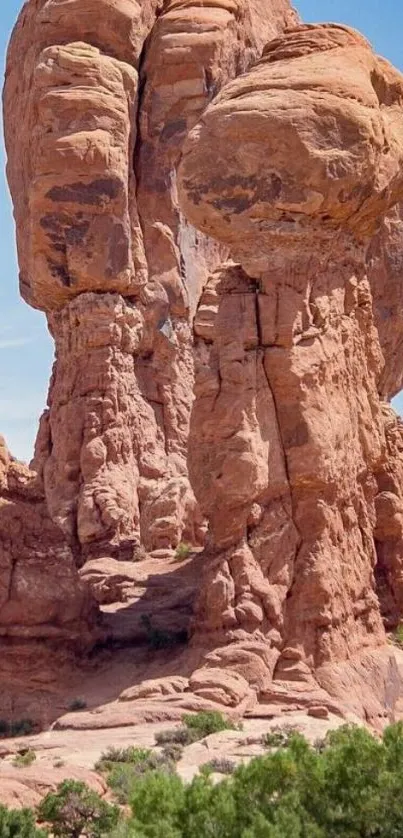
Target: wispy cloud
14,343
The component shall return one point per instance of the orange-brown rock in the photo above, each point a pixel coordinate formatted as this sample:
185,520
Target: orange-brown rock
292,456
385,269
166,215
102,95
41,594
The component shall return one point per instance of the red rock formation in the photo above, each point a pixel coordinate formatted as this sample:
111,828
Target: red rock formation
292,457
41,594
385,263
103,102
277,233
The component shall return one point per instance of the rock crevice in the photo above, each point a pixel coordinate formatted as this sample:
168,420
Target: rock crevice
298,205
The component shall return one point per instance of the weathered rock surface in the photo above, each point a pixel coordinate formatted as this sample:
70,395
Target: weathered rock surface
385,271
292,457
41,594
178,202
104,252
103,103
73,753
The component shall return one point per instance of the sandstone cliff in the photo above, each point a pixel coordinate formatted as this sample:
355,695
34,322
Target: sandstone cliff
101,96
194,194
102,104
293,457
41,595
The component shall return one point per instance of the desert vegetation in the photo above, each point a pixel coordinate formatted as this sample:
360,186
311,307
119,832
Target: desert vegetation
350,787
19,727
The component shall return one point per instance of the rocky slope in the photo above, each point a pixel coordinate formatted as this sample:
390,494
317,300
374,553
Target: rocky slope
199,219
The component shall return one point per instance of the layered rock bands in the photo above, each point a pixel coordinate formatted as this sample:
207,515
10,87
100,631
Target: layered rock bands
99,97
181,209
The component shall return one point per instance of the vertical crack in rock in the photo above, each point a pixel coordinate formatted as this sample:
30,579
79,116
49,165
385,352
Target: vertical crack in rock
260,336
262,174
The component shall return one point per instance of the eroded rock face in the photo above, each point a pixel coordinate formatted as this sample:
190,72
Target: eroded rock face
292,455
385,271
102,104
258,235
41,594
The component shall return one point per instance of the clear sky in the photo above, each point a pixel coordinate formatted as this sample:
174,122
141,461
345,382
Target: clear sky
25,346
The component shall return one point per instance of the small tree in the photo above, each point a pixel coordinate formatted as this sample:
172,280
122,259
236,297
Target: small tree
19,824
75,810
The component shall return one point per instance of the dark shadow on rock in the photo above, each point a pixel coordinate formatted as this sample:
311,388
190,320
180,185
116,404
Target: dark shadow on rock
141,639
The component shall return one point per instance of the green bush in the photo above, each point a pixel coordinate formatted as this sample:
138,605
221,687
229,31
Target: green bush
75,810
220,765
194,727
173,752
125,766
164,795
122,755
176,737
207,722
397,636
278,737
352,788
123,777
182,552
21,727
19,824
24,758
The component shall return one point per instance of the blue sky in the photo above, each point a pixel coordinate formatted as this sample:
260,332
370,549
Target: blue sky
25,346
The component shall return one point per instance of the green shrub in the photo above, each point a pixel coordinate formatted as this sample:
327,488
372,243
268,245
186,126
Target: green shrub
19,824
125,765
195,726
278,737
352,787
21,727
182,552
123,776
121,780
25,758
176,736
220,765
397,636
207,722
172,752
349,787
122,755
164,796
75,810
